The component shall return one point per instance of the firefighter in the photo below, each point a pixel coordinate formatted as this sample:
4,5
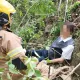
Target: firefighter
10,44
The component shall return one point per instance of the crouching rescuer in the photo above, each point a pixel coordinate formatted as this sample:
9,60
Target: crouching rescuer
10,44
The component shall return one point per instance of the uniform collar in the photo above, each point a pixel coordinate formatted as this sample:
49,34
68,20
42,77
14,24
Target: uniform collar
61,39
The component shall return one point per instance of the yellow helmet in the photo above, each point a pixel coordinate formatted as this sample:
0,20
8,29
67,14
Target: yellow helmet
7,8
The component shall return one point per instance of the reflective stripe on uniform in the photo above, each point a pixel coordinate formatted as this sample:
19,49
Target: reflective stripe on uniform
15,52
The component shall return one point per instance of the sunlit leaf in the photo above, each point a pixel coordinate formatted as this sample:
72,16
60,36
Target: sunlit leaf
8,76
37,73
27,60
48,61
30,73
1,70
12,68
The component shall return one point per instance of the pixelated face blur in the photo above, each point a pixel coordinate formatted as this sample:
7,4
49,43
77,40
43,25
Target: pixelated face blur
64,29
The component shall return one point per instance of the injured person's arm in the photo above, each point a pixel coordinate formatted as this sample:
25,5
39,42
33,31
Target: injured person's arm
57,60
66,54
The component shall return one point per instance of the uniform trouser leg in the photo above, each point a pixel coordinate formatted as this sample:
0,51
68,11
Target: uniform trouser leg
42,53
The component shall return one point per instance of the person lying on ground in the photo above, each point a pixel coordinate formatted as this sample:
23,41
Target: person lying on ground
61,49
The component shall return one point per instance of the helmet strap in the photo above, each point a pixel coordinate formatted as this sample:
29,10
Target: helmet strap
0,27
8,28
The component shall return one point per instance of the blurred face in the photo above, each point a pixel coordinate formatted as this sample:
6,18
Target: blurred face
64,30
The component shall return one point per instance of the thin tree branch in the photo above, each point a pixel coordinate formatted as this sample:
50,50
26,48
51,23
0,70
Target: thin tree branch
72,71
76,18
66,10
26,14
59,6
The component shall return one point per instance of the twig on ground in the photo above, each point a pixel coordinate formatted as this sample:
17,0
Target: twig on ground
76,19
57,71
72,71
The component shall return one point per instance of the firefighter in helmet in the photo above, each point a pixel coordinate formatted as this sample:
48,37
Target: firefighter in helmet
10,44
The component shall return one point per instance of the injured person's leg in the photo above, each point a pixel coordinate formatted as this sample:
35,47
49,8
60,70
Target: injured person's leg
40,54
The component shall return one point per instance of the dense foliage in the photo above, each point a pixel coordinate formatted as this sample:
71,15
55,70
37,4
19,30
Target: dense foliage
29,19
30,22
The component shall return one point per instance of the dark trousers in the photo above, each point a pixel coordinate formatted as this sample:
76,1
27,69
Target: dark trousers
42,53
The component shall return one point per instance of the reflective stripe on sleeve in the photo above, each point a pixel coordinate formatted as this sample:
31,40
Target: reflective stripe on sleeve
15,51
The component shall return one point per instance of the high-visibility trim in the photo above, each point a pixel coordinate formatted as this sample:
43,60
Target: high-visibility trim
14,52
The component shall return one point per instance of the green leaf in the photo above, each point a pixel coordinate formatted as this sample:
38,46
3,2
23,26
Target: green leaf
12,68
0,78
37,73
32,65
1,70
27,60
9,62
47,47
48,61
30,73
40,78
14,71
24,78
8,76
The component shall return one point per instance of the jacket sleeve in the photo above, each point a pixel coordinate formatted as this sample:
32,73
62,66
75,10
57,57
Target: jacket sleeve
14,48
